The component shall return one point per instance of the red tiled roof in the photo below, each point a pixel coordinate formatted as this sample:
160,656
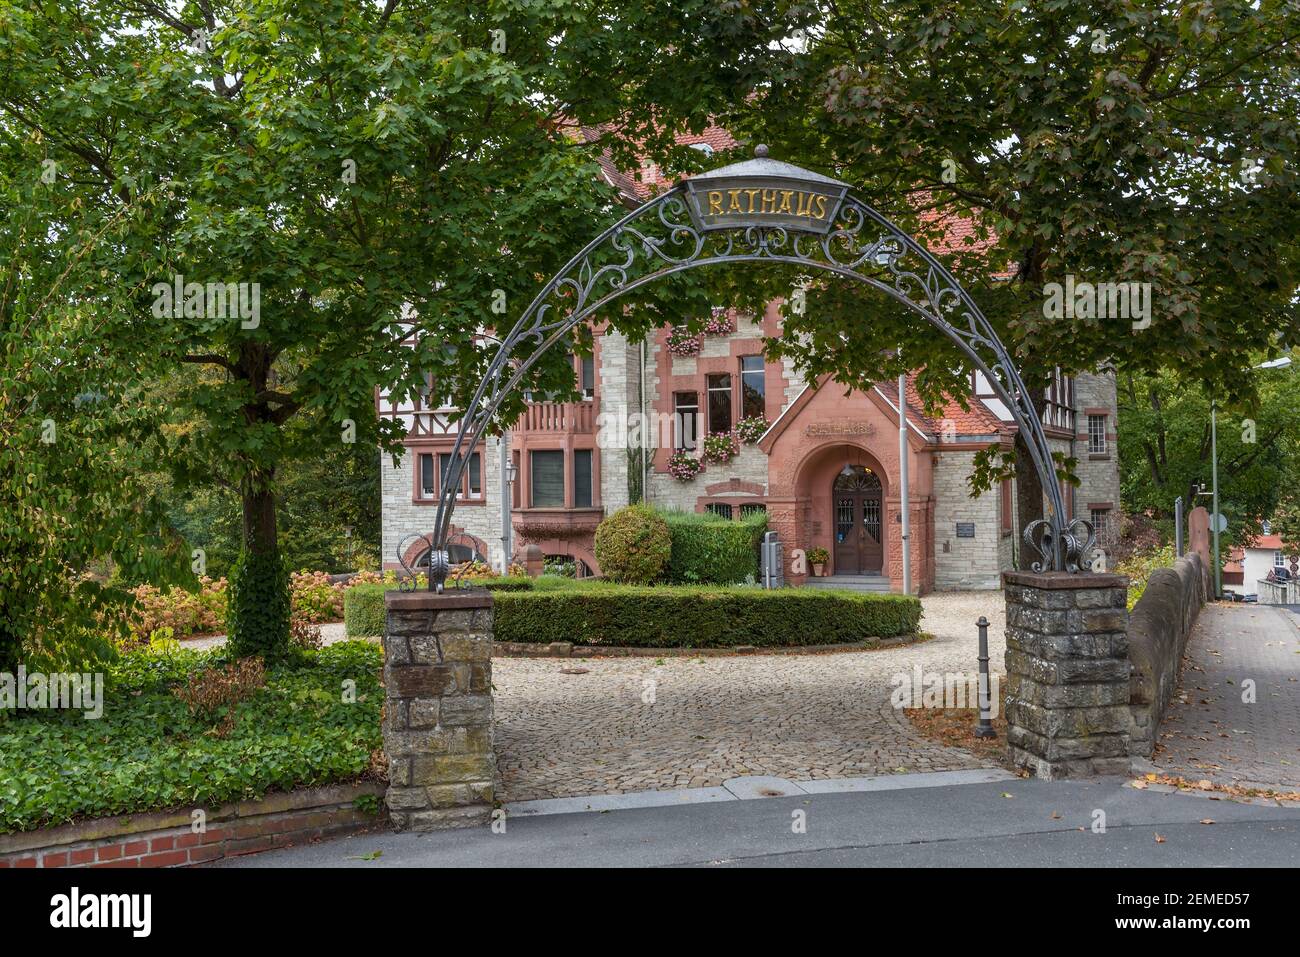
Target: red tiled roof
977,420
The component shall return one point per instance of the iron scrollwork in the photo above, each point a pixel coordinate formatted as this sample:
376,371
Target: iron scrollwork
660,238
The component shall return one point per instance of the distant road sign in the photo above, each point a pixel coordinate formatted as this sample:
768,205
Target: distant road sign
1219,522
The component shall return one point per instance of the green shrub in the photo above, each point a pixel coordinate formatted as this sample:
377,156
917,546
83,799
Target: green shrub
700,616
508,583
633,545
709,549
258,619
150,752
1139,566
363,611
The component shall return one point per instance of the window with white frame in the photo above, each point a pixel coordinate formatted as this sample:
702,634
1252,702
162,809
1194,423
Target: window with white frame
1096,435
1279,560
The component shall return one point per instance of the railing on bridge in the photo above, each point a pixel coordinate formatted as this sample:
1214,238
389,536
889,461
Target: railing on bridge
1278,593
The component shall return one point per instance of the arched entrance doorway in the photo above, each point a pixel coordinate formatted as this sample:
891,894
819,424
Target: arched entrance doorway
857,525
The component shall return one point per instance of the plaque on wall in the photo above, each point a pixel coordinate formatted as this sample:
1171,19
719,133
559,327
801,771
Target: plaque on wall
965,529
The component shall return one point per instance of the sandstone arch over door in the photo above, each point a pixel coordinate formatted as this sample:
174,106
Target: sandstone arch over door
763,210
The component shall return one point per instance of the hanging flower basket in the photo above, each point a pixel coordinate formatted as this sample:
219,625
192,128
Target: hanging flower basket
719,323
683,466
751,429
719,447
684,344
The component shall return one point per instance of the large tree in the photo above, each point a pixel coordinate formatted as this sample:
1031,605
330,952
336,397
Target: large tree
1111,140
1165,447
339,160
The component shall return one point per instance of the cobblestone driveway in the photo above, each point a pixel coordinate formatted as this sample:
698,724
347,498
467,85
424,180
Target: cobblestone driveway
1212,733
636,724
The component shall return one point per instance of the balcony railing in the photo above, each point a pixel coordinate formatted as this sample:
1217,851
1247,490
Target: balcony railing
574,417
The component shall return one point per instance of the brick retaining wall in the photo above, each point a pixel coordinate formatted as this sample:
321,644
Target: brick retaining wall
167,838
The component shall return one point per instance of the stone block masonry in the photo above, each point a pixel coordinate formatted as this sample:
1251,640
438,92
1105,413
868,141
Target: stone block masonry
1067,703
438,709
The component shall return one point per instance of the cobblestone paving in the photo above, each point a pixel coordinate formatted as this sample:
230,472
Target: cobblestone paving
1210,732
636,724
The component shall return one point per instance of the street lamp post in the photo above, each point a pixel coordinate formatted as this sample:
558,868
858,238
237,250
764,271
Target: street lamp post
902,481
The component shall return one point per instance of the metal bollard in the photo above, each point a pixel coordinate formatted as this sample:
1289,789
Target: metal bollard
985,727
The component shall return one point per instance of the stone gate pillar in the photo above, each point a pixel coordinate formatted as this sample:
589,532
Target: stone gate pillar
438,708
1067,701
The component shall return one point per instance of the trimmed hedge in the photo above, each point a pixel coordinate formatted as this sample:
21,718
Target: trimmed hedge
708,549
701,616
363,610
363,605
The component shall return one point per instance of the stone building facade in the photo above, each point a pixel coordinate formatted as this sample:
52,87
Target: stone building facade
825,469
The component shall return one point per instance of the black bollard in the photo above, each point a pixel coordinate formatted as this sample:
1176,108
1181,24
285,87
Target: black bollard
985,727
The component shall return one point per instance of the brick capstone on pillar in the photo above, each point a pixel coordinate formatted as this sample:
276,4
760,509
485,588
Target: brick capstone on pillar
438,709
1067,702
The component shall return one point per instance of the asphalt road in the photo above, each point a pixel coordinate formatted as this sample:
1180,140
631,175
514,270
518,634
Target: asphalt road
1013,823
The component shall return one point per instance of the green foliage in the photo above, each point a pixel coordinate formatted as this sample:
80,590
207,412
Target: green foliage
148,752
507,583
1117,164
633,545
709,549
363,611
1165,448
333,154
258,618
364,614
1139,566
669,616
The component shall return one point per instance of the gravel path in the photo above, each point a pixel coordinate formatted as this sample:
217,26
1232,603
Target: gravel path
330,632
633,724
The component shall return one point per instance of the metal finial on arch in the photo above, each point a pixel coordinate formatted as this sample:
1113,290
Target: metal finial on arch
696,223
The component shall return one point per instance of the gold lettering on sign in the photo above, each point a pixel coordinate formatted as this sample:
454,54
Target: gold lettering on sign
752,193
819,207
801,205
769,201
843,427
735,201
715,203
785,200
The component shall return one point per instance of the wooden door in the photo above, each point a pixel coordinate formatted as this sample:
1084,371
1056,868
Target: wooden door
857,522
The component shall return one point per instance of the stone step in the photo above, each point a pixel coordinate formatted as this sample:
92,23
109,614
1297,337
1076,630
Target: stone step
872,583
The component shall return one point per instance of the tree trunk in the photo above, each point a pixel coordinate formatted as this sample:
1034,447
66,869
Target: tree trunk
260,531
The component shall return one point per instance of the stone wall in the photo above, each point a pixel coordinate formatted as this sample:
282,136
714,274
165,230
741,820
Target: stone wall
401,516
962,563
1067,702
438,709
1159,626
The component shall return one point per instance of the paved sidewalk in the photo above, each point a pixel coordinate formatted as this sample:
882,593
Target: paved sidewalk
1020,823
639,724
1210,732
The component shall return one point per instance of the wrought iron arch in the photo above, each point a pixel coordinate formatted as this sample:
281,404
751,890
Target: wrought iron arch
680,229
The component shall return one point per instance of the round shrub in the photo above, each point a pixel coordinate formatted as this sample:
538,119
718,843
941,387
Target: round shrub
633,545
